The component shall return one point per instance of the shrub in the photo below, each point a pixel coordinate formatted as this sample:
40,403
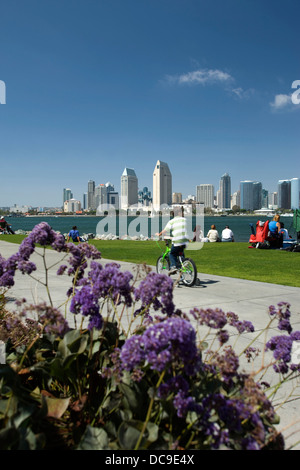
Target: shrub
154,382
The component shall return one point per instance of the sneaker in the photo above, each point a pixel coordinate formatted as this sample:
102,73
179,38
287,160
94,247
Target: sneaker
172,271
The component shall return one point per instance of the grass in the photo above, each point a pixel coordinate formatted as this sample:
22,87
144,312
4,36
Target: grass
224,259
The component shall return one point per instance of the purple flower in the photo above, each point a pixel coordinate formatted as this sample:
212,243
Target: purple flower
283,314
241,326
110,282
281,347
213,318
156,291
85,302
162,344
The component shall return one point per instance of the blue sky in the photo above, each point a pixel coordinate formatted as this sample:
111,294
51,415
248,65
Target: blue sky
92,86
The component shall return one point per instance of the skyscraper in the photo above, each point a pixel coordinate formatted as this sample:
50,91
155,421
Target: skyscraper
129,188
91,195
205,194
67,194
284,194
295,193
225,191
251,195
100,195
162,185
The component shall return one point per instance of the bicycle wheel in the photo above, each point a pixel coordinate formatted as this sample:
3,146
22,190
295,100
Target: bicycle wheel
188,272
162,265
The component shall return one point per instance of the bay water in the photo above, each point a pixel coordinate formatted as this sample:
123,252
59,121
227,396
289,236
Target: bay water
240,225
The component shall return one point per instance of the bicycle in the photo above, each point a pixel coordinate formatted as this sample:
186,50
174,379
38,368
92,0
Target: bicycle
187,269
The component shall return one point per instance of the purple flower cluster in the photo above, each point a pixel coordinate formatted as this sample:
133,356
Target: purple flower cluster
42,234
78,262
283,314
282,352
102,283
282,345
172,341
218,319
155,291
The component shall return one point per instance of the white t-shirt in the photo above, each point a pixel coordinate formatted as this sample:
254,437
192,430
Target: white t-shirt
227,233
178,231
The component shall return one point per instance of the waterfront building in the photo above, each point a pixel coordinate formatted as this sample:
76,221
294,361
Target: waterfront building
273,200
100,195
162,185
91,195
129,188
236,199
84,201
251,195
295,193
67,194
289,193
257,195
112,195
205,195
176,198
72,205
145,197
284,194
225,192
264,198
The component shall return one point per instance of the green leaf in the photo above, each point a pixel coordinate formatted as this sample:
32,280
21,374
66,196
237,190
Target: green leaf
93,439
129,433
56,406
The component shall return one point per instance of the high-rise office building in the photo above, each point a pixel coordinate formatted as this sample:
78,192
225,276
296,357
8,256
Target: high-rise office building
257,195
112,195
284,194
91,195
273,200
236,199
251,195
84,201
162,185
67,194
129,188
205,194
100,195
295,193
225,191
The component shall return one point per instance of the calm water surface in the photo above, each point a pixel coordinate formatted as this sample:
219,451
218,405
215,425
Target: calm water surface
87,224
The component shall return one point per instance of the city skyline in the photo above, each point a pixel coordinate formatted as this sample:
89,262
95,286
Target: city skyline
94,86
249,195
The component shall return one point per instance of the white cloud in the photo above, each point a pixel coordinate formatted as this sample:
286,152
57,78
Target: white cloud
200,77
281,101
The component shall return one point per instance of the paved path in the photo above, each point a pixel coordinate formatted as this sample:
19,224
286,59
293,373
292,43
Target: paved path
248,299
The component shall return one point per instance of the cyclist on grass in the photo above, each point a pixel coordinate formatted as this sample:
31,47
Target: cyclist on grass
178,231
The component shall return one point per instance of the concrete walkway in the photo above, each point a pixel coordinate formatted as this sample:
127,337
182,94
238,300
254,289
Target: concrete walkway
248,299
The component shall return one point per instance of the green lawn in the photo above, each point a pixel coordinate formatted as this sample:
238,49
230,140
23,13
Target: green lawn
224,259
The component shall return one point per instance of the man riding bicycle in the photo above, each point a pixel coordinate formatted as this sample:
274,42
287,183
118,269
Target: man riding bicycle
178,230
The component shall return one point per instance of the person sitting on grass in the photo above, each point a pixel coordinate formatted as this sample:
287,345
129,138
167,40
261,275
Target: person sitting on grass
227,235
74,234
5,226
